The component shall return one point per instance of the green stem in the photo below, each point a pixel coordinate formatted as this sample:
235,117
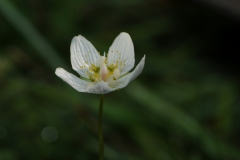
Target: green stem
101,145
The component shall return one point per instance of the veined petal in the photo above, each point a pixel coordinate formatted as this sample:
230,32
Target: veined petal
122,53
99,88
125,80
77,83
138,70
83,54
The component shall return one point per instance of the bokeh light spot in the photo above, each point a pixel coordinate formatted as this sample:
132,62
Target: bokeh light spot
49,134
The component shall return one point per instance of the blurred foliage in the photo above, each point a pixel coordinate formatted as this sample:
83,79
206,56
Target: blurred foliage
184,106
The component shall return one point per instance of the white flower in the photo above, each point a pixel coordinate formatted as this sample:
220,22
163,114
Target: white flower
101,74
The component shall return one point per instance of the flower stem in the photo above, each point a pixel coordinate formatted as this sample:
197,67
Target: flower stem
100,135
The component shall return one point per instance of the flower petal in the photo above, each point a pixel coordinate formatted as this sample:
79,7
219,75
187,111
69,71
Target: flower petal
125,80
138,70
77,83
83,54
122,53
99,88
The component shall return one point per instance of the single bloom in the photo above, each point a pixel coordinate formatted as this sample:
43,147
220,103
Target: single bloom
101,74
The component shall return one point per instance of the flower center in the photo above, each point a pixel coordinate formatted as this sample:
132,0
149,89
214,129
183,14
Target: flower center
103,72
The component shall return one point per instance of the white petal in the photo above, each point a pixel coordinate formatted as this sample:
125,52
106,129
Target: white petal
125,80
83,54
138,70
77,83
99,88
122,51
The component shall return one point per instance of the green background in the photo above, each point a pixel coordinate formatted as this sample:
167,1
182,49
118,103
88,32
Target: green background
184,106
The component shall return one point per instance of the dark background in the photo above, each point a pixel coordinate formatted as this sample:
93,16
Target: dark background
184,106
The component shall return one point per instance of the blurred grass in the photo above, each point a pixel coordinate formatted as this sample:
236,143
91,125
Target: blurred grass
32,36
177,109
